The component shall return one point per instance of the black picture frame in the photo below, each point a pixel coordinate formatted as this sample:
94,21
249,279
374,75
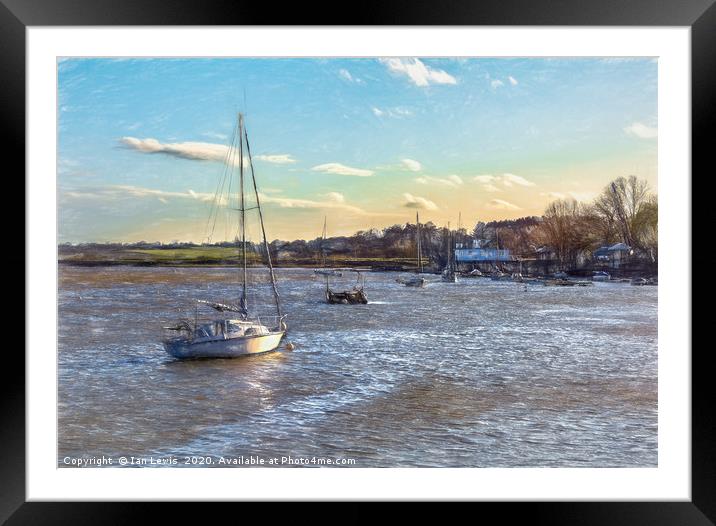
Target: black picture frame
699,15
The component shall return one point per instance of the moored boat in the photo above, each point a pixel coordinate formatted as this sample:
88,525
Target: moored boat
240,334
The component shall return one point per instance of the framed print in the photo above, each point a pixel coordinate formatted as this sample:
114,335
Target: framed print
411,261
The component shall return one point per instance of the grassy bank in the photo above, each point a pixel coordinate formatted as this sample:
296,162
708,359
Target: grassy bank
206,256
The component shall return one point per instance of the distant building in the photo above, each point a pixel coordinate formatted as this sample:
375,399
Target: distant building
469,255
614,255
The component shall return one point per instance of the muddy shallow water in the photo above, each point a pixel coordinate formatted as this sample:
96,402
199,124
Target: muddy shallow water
473,374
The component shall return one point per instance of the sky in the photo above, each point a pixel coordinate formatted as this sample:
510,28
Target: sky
363,142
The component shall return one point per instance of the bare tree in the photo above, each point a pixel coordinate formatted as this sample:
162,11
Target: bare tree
618,206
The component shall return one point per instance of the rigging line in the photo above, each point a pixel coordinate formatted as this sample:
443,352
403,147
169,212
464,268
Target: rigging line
243,211
214,204
228,163
263,230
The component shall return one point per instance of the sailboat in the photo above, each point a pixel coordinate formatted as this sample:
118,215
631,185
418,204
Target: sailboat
449,275
237,332
354,296
324,271
416,281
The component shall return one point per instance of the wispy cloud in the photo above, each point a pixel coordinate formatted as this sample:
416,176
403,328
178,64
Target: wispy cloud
421,203
501,204
283,158
346,75
397,112
419,73
496,83
123,191
637,129
553,195
198,151
512,80
412,165
202,151
507,179
342,169
334,200
451,181
512,179
215,135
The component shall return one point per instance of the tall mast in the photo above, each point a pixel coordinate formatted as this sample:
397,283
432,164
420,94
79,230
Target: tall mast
323,241
243,210
263,230
420,258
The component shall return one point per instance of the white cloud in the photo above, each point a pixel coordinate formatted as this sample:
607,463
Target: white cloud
500,204
637,129
412,165
490,188
200,151
336,197
341,169
484,179
451,181
203,151
553,195
418,73
377,111
496,83
513,80
421,203
283,158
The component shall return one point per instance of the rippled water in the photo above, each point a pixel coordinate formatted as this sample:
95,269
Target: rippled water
473,374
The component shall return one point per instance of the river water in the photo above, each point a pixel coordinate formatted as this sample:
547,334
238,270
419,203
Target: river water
473,374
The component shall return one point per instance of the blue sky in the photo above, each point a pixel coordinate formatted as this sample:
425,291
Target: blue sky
365,142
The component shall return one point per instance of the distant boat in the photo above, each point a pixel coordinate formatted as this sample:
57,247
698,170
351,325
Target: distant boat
600,275
416,281
240,334
449,275
324,270
354,296
643,281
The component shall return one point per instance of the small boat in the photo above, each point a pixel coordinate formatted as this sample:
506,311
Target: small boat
240,334
643,281
600,275
354,296
472,274
559,282
562,282
449,275
416,281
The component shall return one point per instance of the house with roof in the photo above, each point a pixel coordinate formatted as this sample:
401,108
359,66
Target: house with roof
613,256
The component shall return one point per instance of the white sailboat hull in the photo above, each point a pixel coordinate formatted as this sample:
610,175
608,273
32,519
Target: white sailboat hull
224,348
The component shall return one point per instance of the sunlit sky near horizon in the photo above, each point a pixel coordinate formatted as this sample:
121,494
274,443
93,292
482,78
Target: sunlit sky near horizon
364,142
